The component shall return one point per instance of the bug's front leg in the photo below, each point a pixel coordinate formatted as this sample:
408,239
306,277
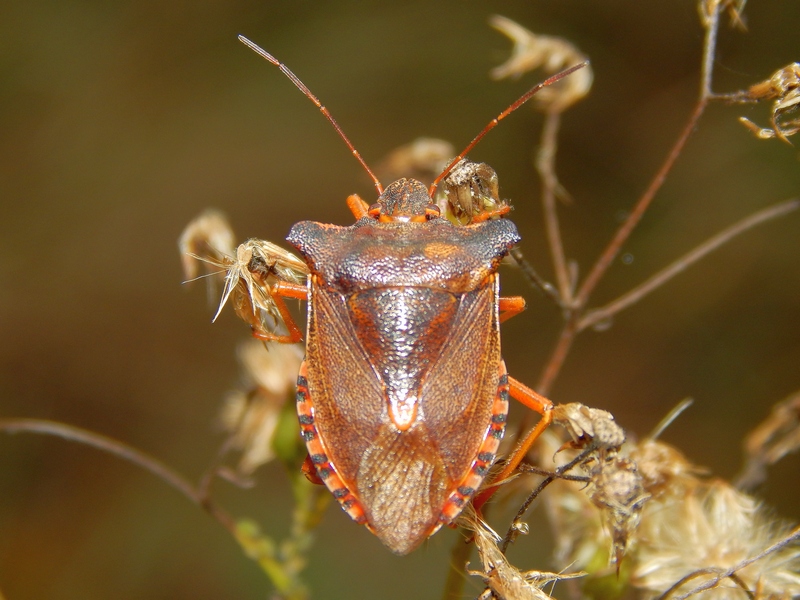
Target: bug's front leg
279,291
357,206
535,401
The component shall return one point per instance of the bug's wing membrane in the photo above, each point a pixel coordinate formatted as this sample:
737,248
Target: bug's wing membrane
347,422
458,391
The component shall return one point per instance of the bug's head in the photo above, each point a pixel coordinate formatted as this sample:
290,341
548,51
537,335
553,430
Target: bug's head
406,200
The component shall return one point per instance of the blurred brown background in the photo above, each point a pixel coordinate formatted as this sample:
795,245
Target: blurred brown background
120,121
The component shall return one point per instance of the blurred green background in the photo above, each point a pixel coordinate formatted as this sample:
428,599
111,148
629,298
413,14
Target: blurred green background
121,121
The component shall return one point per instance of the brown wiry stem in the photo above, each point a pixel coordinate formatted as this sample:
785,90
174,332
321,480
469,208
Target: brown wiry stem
125,452
623,233
571,328
545,165
631,297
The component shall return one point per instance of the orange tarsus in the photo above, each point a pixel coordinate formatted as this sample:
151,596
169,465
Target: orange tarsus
510,307
535,401
279,291
357,206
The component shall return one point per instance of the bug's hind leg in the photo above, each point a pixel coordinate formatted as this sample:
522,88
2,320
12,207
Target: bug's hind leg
535,401
310,471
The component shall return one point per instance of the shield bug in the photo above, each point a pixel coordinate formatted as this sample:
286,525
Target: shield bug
403,395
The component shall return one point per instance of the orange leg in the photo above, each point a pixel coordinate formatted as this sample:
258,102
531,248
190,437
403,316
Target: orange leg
310,471
357,206
534,401
279,291
511,306
485,216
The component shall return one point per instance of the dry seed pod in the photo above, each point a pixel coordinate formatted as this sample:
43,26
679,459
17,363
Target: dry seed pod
532,51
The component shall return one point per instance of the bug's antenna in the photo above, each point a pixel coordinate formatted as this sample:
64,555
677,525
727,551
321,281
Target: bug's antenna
302,87
493,123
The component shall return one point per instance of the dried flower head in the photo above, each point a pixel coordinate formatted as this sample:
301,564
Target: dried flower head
709,529
472,192
422,159
205,241
672,524
707,8
616,489
532,51
783,87
251,415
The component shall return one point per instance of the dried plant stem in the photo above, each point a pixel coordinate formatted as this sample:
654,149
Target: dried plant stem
597,315
720,574
577,306
125,452
545,165
623,233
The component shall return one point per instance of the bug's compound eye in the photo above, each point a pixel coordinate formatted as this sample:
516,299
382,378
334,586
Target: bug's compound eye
374,211
432,211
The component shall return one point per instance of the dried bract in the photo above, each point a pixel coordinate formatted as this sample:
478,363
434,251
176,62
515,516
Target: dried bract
422,159
783,87
503,579
472,190
532,51
251,415
664,469
257,265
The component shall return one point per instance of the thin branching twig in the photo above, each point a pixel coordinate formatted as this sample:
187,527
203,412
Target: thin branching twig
126,453
598,315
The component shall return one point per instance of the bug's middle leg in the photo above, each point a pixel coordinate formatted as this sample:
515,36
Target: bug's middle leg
510,306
